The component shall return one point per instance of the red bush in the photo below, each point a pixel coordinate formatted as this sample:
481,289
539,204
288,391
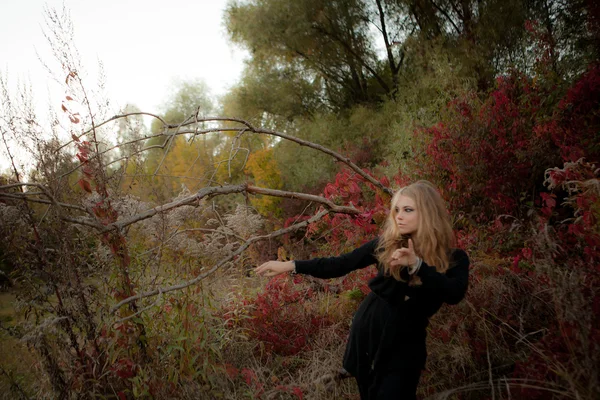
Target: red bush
485,155
490,157
280,319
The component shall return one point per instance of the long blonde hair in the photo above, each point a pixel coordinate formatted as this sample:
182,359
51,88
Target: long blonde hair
434,236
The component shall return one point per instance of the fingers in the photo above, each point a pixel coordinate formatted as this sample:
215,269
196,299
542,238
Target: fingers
399,253
395,263
404,251
270,268
403,256
264,269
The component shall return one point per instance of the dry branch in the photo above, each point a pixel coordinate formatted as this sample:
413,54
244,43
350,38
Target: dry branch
24,196
248,127
222,262
188,200
190,126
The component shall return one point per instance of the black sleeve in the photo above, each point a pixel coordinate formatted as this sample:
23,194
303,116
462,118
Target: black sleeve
333,267
453,284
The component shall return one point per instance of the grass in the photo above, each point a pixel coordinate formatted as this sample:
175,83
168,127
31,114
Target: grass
7,311
18,364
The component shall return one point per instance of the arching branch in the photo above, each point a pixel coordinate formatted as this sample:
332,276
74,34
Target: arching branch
248,127
188,200
222,262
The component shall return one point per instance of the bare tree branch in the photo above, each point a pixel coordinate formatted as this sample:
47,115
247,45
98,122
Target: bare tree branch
251,128
44,190
222,262
41,201
111,119
448,18
188,200
215,191
393,67
322,149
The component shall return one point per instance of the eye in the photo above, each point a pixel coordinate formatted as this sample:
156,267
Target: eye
396,209
408,209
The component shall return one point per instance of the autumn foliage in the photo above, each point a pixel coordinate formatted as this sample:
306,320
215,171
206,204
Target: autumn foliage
516,157
521,176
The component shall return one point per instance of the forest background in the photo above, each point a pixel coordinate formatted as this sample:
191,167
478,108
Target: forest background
127,252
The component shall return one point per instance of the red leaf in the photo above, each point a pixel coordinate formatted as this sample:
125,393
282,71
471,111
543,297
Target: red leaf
71,74
85,185
100,213
125,368
298,392
69,98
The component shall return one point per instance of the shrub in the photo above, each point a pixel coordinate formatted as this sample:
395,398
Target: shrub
281,318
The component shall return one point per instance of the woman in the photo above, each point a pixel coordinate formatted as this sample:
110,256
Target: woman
418,271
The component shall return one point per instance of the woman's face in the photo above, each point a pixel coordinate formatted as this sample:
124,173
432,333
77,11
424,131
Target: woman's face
406,215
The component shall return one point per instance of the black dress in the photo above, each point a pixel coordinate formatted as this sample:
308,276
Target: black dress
387,337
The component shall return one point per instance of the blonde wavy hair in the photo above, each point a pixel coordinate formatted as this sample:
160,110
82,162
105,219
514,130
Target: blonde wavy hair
434,236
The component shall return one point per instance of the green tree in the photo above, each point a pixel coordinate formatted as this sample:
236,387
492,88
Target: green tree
326,45
131,129
177,159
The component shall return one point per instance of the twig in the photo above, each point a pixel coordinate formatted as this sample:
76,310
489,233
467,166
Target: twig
219,264
248,127
113,118
213,191
42,201
142,310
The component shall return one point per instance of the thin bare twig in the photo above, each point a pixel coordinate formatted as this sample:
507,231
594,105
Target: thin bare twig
222,262
42,201
113,118
215,191
119,321
248,127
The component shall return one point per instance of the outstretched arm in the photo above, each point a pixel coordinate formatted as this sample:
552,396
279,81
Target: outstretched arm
333,267
328,267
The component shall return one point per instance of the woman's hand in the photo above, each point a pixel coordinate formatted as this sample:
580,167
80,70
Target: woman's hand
272,268
404,257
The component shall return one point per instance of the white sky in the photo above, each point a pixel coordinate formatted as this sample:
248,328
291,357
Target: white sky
140,42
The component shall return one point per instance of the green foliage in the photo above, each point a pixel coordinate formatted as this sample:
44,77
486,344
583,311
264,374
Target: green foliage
185,100
355,294
319,71
272,97
130,129
326,45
